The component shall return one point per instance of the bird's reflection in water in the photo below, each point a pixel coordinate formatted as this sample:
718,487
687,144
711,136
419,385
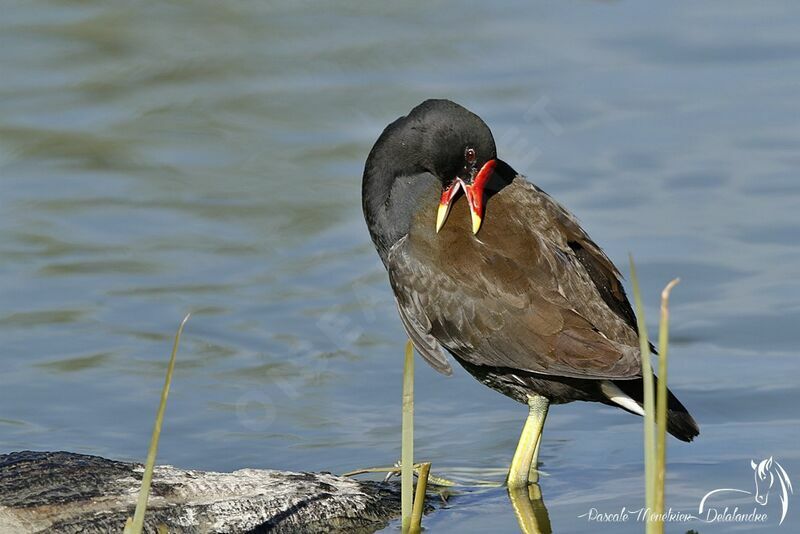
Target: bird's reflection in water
530,509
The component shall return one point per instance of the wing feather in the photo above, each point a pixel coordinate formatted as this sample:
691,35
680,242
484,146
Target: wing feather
426,344
485,327
518,296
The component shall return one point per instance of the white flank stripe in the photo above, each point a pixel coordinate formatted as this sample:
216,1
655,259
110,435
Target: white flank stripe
615,394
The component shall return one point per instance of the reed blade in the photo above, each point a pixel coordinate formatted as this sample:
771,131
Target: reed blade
661,415
136,525
407,446
649,400
419,499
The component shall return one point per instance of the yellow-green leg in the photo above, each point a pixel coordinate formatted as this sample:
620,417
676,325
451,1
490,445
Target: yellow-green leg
533,473
523,465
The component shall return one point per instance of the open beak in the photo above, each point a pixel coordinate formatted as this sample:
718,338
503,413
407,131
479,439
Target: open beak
473,189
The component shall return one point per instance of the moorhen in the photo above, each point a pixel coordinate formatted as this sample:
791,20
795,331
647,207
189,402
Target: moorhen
487,267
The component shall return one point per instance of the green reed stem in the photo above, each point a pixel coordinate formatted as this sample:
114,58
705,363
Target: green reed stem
407,447
419,499
136,525
661,404
649,401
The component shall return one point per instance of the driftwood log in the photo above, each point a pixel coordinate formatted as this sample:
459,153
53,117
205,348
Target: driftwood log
65,492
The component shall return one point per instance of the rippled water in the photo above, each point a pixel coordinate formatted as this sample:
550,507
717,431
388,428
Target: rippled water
164,157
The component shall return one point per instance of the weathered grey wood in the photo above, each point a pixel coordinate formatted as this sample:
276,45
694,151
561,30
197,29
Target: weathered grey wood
64,492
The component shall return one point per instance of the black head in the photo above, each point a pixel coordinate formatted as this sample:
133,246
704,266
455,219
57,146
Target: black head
449,139
438,140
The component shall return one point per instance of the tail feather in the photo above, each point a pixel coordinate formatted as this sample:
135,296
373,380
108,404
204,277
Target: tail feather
679,422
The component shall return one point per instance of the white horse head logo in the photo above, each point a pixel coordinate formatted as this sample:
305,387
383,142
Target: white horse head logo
766,473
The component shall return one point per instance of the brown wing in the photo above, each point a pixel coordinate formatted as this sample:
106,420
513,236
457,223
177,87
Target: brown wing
485,324
418,327
603,273
517,295
605,278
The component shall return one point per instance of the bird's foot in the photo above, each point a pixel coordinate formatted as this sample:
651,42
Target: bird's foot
433,480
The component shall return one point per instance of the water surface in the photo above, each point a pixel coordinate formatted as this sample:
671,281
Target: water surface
164,157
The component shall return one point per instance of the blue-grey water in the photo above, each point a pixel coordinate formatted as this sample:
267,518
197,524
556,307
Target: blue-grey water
164,157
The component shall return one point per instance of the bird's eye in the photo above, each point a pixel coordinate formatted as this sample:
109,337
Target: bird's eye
469,155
